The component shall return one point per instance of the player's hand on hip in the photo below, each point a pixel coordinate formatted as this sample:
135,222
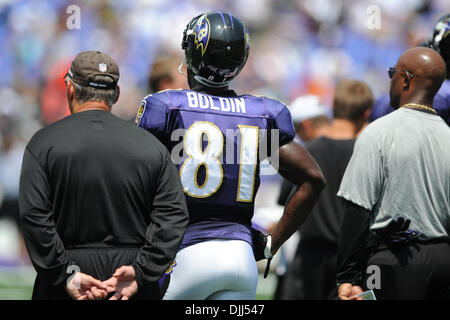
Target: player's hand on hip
84,287
347,291
122,283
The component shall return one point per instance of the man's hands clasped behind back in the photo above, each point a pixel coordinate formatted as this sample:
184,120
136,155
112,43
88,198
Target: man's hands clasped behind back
122,283
84,287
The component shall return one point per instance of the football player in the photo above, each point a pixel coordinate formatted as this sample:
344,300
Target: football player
440,41
224,135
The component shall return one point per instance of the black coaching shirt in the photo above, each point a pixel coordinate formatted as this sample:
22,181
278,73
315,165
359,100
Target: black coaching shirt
92,179
322,224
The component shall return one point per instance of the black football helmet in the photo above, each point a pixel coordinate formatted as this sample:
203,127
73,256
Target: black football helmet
441,37
216,46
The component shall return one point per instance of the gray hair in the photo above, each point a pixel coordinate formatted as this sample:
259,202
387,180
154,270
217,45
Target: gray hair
84,94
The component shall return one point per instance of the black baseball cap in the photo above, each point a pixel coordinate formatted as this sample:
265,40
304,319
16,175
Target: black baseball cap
89,64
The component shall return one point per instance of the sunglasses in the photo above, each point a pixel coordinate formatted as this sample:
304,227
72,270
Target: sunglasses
392,71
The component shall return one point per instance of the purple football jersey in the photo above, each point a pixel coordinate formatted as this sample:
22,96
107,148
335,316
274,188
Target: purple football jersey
442,101
216,143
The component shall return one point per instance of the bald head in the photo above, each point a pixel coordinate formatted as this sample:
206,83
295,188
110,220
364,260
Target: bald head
419,74
424,63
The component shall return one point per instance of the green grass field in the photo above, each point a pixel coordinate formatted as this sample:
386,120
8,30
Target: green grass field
17,284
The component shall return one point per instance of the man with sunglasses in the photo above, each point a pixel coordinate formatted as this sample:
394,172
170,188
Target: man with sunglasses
99,196
440,41
394,237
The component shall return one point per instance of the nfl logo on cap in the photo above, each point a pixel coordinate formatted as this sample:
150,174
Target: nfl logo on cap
102,67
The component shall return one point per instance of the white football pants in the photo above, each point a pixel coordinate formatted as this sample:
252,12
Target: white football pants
214,270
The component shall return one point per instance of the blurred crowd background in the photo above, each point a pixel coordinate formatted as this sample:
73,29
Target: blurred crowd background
297,47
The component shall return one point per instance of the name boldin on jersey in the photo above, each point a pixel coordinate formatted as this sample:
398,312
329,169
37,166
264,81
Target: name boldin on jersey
202,101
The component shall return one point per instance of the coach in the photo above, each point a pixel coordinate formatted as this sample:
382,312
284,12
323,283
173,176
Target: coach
97,194
398,184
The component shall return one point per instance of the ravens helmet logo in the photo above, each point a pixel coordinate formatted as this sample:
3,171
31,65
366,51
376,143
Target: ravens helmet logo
201,34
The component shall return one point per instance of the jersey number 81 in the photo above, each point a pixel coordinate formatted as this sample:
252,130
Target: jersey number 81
209,158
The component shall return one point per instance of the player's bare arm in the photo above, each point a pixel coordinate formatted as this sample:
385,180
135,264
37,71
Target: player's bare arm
298,167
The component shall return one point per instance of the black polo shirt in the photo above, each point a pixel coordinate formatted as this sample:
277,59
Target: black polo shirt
92,180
